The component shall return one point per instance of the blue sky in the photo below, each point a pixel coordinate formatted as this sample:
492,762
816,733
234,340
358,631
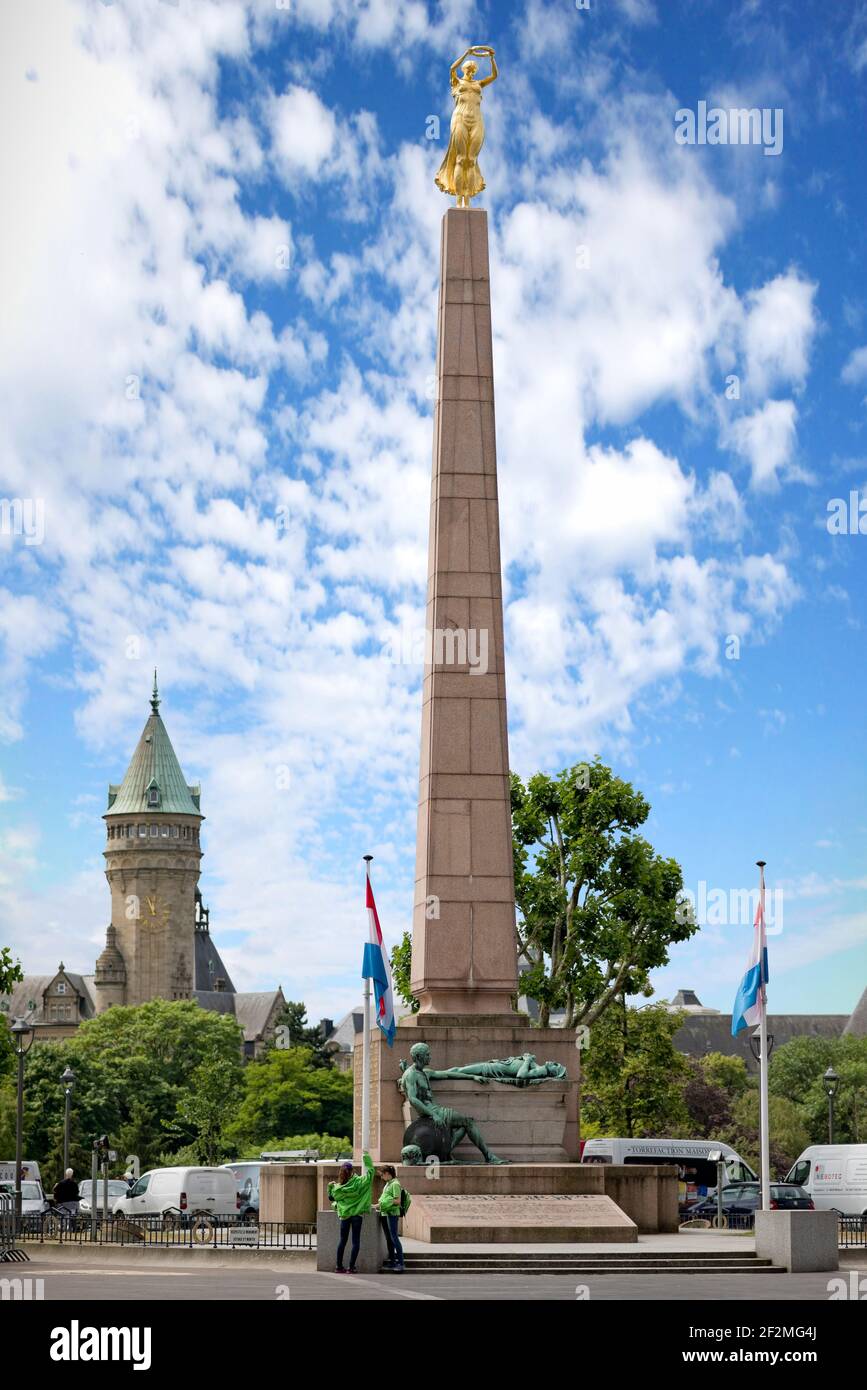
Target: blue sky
220,265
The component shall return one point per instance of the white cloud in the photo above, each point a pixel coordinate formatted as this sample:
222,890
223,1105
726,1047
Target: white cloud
779,326
304,132
626,561
767,439
855,367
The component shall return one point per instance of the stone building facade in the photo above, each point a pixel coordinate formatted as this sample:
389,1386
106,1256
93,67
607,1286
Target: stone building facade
158,943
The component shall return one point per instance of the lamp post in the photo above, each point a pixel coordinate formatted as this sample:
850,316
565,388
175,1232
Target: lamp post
20,1030
831,1082
67,1081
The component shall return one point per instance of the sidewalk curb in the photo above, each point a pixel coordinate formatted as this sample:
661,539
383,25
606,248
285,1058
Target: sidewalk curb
212,1257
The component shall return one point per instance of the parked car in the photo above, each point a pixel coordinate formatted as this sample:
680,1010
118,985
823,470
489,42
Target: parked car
246,1177
743,1199
181,1193
116,1188
33,1199
835,1176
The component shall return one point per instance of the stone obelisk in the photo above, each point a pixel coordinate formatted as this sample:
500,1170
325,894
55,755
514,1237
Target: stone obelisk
464,961
463,956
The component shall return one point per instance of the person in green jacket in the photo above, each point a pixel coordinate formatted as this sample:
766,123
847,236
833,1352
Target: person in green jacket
389,1215
351,1195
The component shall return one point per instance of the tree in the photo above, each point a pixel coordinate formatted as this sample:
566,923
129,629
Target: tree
301,1034
714,1084
598,907
285,1094
796,1070
10,971
632,1075
10,975
788,1136
401,967
136,1070
204,1108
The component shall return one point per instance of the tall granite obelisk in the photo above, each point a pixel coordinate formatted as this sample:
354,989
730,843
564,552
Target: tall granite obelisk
463,955
464,944
464,961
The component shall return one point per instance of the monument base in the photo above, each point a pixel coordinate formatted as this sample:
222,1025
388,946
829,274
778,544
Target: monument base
501,1220
490,1197
371,1251
530,1124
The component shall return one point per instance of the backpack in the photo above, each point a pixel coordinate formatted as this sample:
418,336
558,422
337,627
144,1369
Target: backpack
404,1201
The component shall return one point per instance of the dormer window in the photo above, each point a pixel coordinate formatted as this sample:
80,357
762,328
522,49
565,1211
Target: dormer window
153,795
60,987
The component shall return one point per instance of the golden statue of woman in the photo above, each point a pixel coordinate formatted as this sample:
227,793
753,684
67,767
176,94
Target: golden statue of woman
459,172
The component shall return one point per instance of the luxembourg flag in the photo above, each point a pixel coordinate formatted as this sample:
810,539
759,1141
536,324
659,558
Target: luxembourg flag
747,1011
377,969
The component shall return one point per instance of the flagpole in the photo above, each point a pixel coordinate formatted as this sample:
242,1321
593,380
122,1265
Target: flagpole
764,1136
365,1047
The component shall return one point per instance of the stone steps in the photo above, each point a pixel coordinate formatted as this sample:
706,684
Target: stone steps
471,1262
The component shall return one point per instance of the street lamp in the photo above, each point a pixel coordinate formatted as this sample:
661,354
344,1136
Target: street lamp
756,1045
68,1081
20,1030
831,1082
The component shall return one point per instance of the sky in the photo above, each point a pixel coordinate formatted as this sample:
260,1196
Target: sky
220,261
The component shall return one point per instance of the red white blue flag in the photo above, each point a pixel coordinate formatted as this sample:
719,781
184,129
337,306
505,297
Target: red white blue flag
750,999
376,968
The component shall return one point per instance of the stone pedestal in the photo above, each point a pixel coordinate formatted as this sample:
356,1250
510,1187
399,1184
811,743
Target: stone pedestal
801,1241
645,1193
372,1251
532,1124
287,1192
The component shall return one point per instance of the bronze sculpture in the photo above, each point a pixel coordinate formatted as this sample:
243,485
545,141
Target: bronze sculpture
459,172
414,1082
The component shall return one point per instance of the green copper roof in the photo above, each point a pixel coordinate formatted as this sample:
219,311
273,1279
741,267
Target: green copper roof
154,764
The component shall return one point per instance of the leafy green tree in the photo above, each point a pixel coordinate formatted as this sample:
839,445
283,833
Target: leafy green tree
136,1069
598,907
632,1076
796,1070
787,1133
7,1119
284,1094
10,975
328,1145
714,1084
8,1062
302,1034
401,966
95,1109
203,1109
10,971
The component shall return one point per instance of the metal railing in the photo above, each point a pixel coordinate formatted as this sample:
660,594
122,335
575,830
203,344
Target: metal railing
174,1228
852,1232
7,1225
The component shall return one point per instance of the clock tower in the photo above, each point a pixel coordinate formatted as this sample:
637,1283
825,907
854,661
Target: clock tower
152,856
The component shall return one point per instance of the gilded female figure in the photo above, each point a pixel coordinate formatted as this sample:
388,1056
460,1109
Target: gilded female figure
459,172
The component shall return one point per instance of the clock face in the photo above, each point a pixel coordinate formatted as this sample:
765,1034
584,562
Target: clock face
154,911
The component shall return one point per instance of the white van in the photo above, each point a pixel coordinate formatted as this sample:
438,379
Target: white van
29,1171
835,1176
698,1174
191,1191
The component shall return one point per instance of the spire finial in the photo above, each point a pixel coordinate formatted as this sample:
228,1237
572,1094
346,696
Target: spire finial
155,698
